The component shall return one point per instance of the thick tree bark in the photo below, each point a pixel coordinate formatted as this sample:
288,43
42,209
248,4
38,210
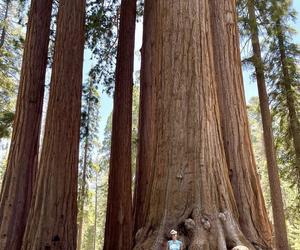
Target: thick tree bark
118,227
17,187
52,220
181,153
253,217
276,196
294,122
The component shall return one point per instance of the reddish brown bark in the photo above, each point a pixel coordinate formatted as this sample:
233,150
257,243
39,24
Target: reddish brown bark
17,187
253,218
52,220
118,227
181,153
275,189
146,133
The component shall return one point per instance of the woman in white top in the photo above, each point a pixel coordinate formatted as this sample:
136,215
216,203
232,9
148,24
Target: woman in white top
174,244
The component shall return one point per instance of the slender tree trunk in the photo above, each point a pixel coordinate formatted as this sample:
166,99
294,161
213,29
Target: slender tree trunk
3,33
96,212
83,185
118,227
294,122
181,153
235,126
276,196
17,187
143,177
52,220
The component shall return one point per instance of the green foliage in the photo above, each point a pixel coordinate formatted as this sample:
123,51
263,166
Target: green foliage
89,223
281,58
102,24
6,119
283,78
289,193
90,118
95,209
99,181
101,38
2,170
106,144
11,47
90,110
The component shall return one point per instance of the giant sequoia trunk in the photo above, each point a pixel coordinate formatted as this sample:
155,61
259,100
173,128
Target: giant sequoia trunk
253,218
182,178
275,189
52,219
17,187
118,227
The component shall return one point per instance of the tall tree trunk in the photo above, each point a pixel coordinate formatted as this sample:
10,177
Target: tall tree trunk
52,220
294,122
235,126
118,227
82,195
17,187
181,153
276,196
3,32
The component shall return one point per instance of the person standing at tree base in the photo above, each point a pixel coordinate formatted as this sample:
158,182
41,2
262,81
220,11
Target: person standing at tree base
174,244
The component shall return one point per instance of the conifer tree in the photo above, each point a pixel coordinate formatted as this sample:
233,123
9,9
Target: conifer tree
118,227
52,219
89,129
17,187
284,80
270,150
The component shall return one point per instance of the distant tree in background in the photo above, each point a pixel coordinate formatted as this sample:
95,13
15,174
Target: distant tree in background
289,193
102,39
279,59
251,23
283,75
89,134
11,46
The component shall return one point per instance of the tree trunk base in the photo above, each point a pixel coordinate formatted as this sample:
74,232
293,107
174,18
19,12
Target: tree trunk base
217,231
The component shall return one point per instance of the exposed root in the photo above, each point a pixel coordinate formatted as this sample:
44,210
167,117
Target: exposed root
204,232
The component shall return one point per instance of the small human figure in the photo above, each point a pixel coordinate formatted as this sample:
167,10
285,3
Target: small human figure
174,244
